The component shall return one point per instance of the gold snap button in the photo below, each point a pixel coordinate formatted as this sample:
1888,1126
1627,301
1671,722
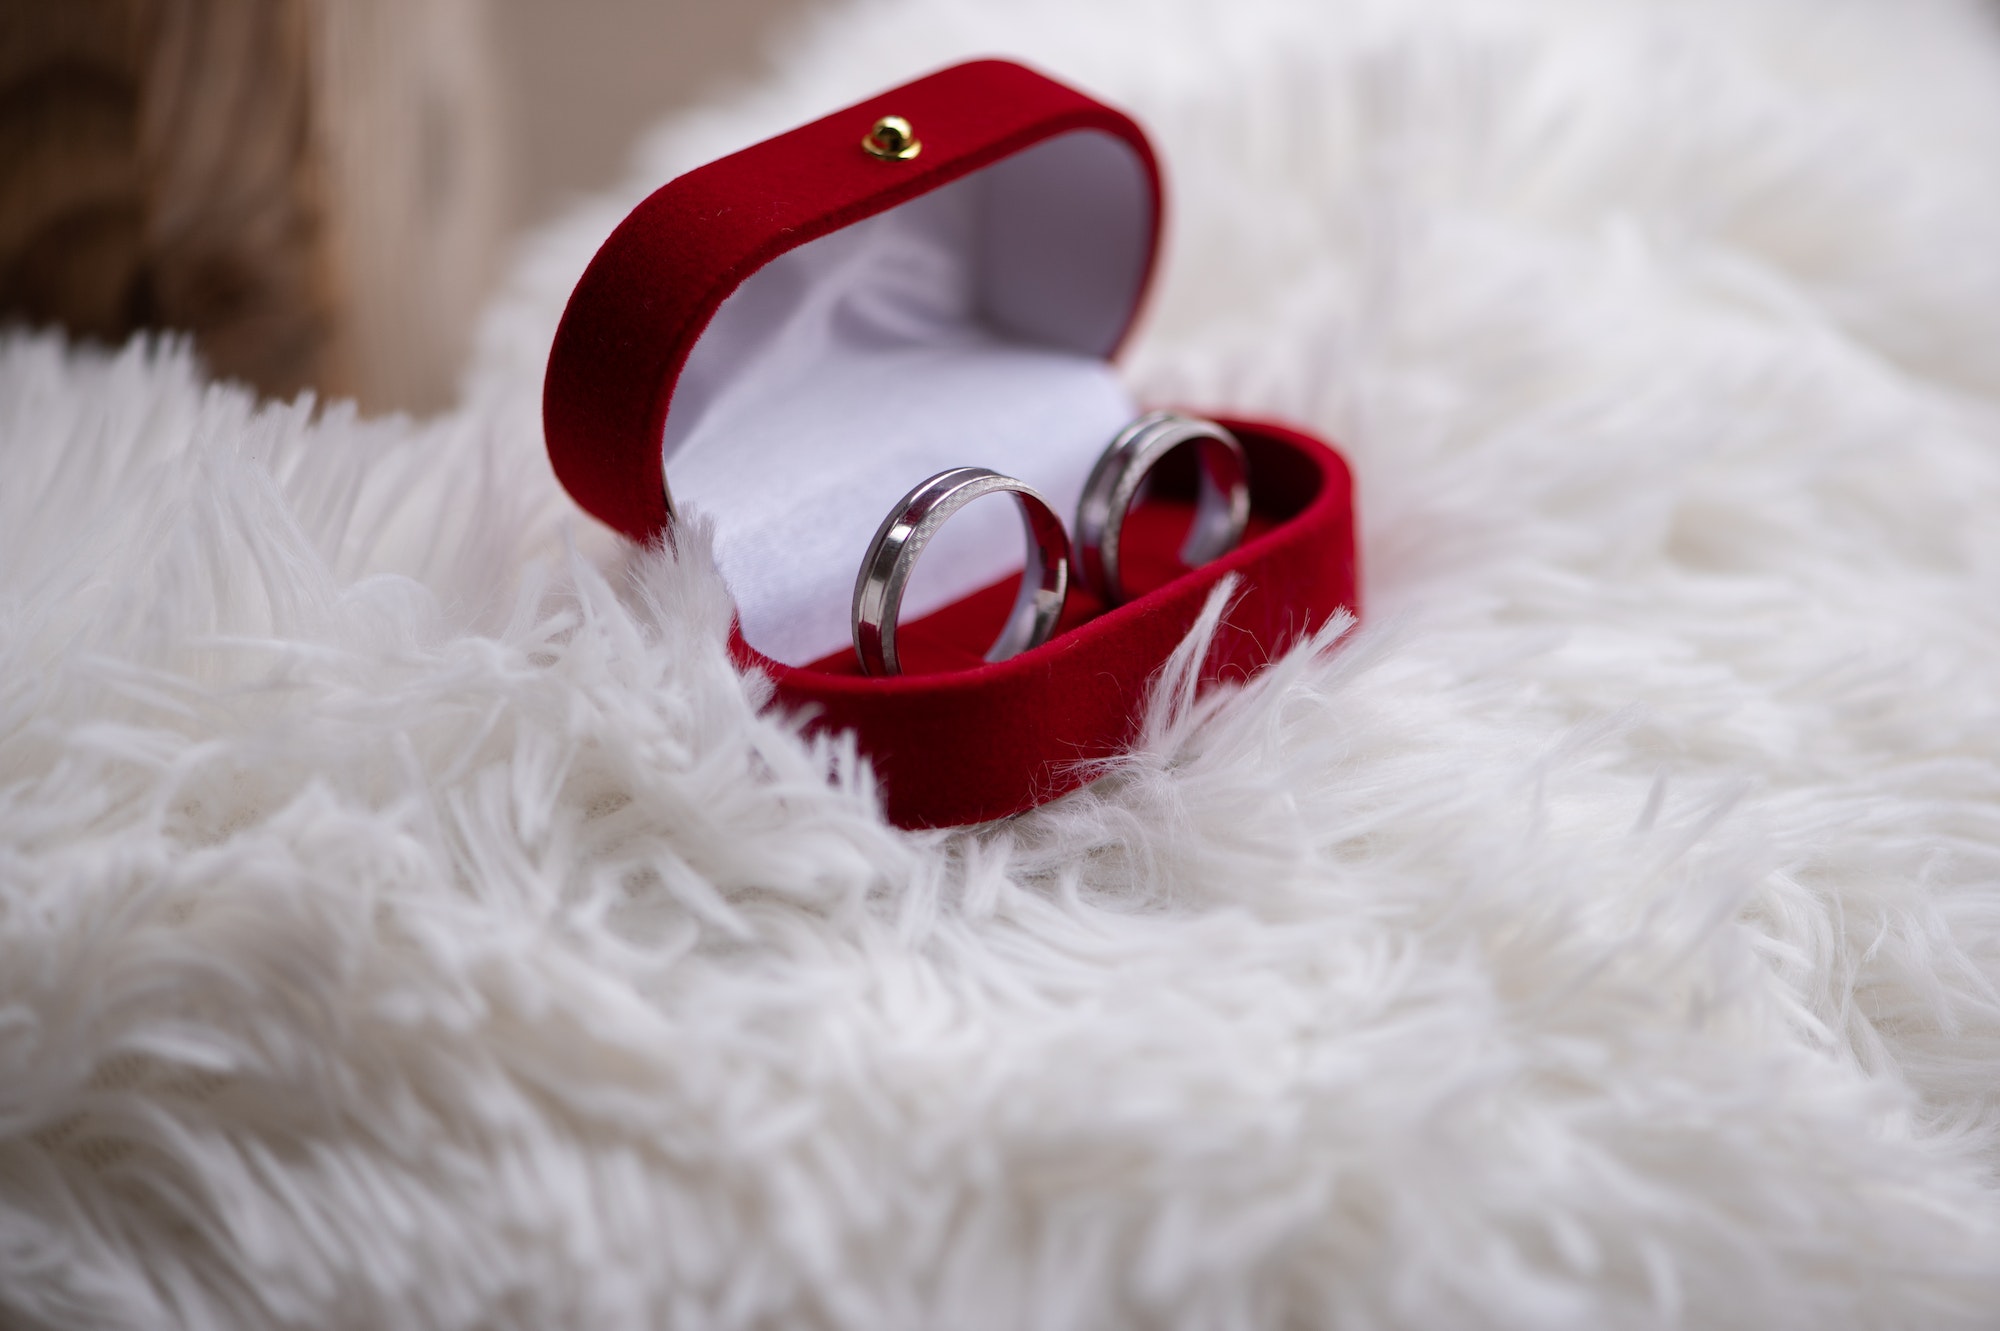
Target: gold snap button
892,140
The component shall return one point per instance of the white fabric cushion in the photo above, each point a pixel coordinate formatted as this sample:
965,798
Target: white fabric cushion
968,327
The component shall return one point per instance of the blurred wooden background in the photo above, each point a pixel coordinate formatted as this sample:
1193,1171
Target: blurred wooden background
322,191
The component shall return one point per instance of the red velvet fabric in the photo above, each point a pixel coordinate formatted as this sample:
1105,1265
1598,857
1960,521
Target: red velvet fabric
657,281
955,740
967,744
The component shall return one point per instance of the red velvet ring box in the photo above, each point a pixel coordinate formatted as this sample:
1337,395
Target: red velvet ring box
790,338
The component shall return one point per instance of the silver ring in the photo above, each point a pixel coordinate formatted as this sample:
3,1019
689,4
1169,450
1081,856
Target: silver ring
1222,509
900,540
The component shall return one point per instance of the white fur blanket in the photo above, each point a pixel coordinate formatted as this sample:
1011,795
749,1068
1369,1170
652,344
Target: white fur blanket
407,918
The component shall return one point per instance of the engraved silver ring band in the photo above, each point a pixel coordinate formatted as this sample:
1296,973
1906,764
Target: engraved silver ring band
899,542
1222,506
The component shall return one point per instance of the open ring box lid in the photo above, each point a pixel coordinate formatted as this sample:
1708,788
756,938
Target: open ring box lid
792,337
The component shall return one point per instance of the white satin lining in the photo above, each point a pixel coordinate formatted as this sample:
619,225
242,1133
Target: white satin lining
968,327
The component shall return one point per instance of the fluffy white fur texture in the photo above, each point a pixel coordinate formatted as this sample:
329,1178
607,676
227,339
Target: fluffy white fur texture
407,918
